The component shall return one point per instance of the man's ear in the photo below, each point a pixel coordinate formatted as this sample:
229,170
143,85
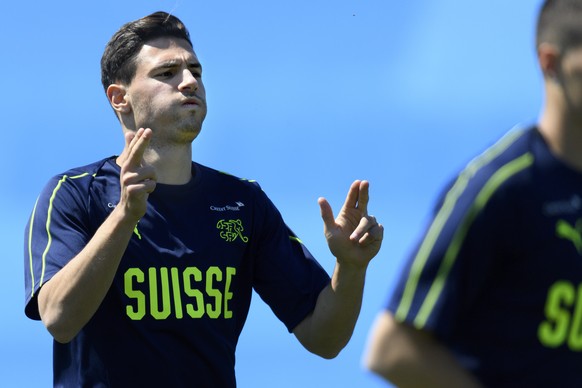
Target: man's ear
549,60
117,95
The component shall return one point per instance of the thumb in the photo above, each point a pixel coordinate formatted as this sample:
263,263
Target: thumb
326,213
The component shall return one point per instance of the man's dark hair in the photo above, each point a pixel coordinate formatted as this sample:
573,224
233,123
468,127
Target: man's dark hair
118,60
560,24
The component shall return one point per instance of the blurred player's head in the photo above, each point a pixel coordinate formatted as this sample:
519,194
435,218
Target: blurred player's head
118,60
559,49
560,24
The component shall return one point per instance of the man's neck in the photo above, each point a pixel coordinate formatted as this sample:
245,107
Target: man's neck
172,166
563,135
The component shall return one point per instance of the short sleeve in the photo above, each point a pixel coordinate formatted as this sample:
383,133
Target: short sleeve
286,276
57,231
448,270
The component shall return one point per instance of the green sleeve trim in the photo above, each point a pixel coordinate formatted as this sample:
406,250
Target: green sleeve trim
293,238
240,179
48,230
441,218
452,252
30,247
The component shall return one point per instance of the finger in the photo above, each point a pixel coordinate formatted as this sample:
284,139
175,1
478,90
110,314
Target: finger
138,175
326,213
129,136
373,236
364,197
352,197
138,146
143,187
365,225
130,140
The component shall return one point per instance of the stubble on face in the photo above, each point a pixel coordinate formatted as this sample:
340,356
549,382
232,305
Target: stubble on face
167,93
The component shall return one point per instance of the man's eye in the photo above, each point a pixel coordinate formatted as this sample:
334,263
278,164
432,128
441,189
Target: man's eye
166,74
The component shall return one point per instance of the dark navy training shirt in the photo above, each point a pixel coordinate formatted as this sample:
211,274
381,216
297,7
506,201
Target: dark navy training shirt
497,276
182,292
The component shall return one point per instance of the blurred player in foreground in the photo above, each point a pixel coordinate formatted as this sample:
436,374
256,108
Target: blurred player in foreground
492,295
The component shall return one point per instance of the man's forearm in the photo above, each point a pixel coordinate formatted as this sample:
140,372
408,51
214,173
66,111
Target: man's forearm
73,295
329,328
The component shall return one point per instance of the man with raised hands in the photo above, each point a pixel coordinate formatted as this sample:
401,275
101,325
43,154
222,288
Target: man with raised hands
142,266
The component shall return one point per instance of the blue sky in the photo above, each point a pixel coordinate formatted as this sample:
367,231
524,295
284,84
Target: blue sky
304,97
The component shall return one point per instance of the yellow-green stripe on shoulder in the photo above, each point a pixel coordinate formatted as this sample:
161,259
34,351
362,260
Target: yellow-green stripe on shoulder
293,238
481,200
240,179
30,248
443,215
48,230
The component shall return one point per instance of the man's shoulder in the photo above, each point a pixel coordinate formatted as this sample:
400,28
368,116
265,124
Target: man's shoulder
91,169
82,176
507,160
219,177
504,167
510,146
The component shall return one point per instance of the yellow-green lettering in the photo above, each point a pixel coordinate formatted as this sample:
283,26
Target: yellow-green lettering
154,295
554,330
177,293
230,272
138,312
212,292
190,275
575,337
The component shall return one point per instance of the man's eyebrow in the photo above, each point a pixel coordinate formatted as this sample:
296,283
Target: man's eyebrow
173,63
195,65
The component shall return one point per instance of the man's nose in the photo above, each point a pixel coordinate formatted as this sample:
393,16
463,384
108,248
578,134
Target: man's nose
189,81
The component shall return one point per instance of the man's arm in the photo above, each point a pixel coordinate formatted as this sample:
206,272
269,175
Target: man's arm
68,301
411,358
354,238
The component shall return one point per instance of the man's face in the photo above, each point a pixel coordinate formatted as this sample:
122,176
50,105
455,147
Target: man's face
571,78
167,93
